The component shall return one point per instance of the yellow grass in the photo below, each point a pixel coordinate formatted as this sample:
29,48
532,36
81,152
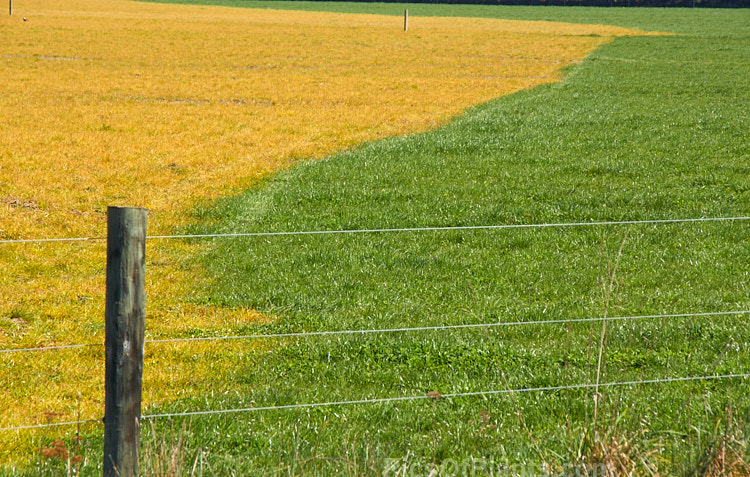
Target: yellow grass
110,102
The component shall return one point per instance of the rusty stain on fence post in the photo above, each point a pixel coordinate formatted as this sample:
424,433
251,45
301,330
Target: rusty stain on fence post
124,333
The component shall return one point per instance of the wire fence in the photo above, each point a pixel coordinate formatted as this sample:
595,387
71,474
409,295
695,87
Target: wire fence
429,396
306,334
397,230
351,332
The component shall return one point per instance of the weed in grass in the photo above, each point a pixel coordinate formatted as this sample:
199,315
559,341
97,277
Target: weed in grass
61,456
608,282
631,453
164,455
726,451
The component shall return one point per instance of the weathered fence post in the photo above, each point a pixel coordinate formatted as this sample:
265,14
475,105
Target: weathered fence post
10,6
124,316
406,19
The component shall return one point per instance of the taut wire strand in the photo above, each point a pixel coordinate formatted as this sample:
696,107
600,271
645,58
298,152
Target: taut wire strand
303,334
413,229
399,399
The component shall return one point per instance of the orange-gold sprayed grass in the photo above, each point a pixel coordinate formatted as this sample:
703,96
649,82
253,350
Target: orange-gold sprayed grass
162,106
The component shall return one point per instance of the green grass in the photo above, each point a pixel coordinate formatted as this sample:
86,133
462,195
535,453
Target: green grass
645,128
703,21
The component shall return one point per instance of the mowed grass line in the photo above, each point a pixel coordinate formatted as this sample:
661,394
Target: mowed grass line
646,128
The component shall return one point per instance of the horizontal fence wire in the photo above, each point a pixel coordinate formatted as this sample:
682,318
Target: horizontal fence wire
52,424
393,230
431,395
50,348
453,228
303,334
47,240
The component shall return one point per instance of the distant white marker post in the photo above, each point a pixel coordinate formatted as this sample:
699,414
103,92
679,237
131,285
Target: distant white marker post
406,19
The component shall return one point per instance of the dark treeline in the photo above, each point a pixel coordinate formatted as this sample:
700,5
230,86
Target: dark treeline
591,3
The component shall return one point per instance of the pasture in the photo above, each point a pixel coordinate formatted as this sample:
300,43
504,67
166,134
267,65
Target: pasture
647,127
165,107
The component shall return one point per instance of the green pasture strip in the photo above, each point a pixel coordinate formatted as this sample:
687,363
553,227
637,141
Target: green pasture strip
645,128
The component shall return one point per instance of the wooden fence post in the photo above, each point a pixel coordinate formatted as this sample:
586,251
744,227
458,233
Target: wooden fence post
406,19
10,6
124,316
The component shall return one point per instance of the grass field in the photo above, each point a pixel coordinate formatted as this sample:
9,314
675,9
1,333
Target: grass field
647,127
201,108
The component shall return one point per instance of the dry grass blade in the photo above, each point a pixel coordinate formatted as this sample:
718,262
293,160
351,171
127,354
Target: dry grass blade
608,283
